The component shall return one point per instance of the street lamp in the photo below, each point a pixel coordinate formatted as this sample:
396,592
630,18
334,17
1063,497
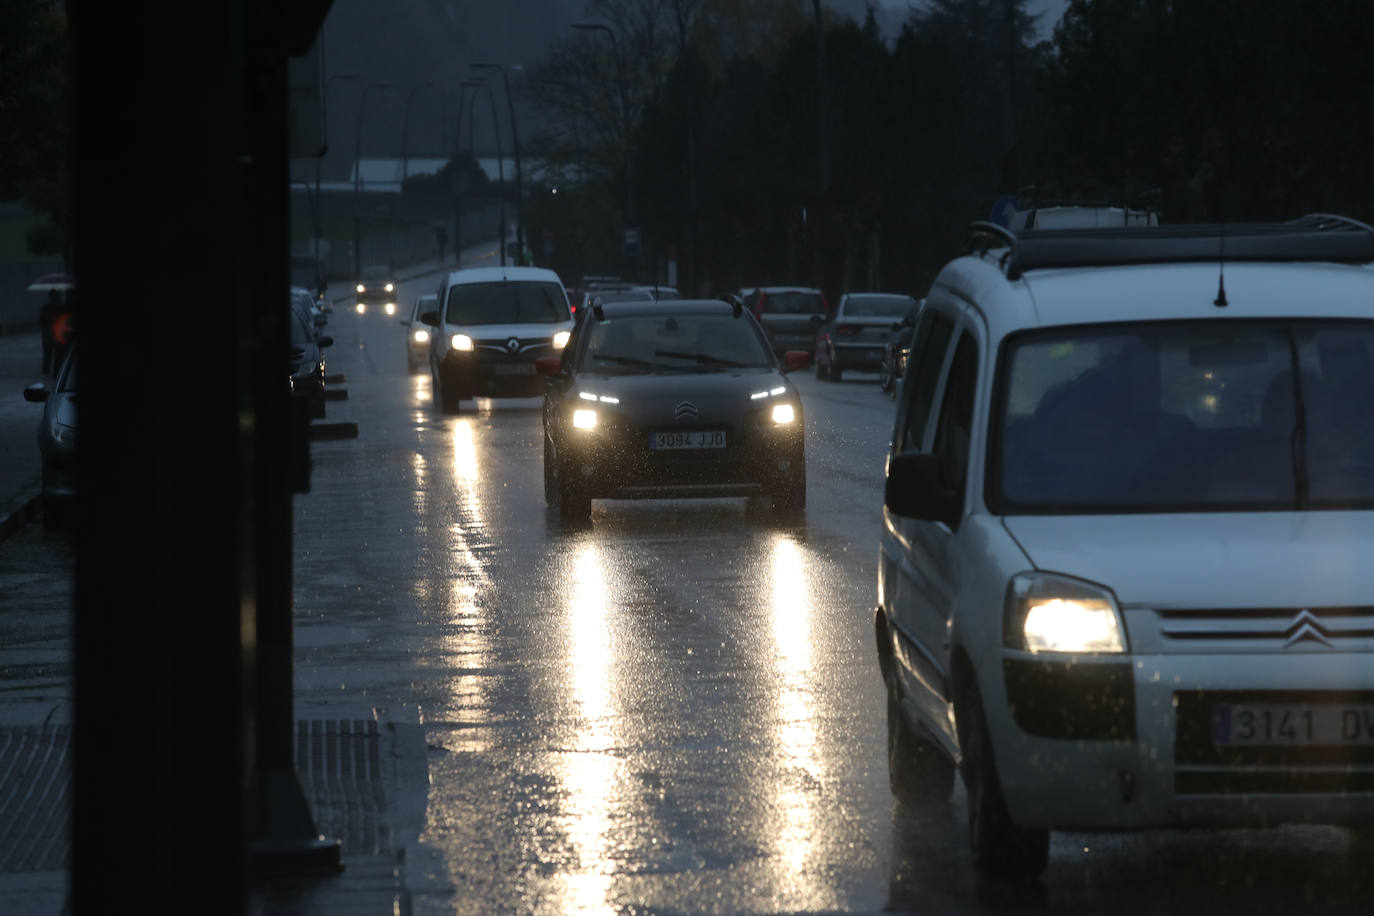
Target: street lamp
624,108
358,180
515,140
405,130
463,88
500,162
319,204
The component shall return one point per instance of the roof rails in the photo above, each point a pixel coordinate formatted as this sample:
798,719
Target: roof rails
1315,237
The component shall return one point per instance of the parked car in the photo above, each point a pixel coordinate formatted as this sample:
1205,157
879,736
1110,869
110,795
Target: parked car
377,284
672,398
306,358
856,335
1123,578
609,294
57,437
896,351
308,273
417,335
310,305
791,315
492,323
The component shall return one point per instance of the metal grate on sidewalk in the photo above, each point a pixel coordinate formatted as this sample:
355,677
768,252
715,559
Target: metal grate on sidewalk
338,761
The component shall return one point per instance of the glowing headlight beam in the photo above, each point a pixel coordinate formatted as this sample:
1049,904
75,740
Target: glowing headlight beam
1072,625
584,419
422,336
462,342
560,340
783,413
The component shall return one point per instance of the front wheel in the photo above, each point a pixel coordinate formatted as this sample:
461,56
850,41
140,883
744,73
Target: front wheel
574,504
790,499
450,398
1001,849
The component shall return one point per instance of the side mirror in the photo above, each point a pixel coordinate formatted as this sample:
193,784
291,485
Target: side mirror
549,365
796,359
36,393
915,488
326,341
430,318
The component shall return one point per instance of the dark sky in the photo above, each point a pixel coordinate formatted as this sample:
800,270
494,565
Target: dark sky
409,42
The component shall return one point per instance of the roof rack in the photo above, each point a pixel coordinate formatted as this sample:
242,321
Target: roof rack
1315,237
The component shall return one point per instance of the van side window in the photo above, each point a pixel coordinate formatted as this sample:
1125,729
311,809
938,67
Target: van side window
924,364
956,414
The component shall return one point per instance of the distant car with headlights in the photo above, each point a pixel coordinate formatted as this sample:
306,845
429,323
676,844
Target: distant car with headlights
672,398
57,437
377,284
855,336
417,333
1124,576
489,326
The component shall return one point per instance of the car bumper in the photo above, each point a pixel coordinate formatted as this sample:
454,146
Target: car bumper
486,374
618,464
1127,743
860,359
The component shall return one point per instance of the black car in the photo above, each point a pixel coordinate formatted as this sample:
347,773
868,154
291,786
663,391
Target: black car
898,349
671,398
306,358
57,437
377,284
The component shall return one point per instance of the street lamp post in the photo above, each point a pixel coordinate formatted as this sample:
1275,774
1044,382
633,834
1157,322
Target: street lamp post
624,111
463,88
515,140
358,181
405,130
500,166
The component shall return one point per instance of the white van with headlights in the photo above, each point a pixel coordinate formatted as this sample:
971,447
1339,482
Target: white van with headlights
1125,578
490,326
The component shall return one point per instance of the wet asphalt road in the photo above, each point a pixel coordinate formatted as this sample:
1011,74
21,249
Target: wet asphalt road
676,709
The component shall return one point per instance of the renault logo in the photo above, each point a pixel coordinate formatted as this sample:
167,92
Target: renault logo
513,345
685,410
1306,628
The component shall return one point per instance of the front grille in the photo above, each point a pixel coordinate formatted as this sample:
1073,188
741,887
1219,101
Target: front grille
1182,630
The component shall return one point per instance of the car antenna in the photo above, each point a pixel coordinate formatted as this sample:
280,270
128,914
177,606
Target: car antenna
1220,300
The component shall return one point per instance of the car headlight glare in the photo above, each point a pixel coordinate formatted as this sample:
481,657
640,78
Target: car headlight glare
360,308
361,288
560,340
783,413
391,287
421,336
584,419
1047,613
391,308
462,342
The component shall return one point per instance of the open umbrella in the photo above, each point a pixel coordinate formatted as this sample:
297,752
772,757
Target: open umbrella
52,281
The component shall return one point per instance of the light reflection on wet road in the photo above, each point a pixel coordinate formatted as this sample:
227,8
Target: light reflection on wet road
676,708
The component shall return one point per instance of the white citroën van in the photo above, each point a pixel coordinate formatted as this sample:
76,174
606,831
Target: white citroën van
1126,574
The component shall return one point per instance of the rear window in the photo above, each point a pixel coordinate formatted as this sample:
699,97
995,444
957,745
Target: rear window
798,303
879,306
516,302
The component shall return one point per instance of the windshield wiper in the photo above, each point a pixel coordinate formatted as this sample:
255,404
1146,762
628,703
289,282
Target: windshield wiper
701,358
1299,441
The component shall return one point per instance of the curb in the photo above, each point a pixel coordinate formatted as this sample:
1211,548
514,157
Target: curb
20,510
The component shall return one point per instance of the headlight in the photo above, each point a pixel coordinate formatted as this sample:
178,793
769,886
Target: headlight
584,419
1047,613
783,413
422,336
560,340
361,288
391,308
461,342
391,287
360,308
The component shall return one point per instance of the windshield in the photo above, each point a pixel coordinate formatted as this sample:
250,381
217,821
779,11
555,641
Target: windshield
1187,417
376,273
301,334
878,306
684,343
792,304
517,302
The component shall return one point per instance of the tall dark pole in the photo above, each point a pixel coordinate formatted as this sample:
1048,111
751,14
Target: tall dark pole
405,130
456,179
500,167
624,118
319,202
358,181
515,141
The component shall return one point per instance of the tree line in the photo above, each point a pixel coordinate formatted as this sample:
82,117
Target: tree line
750,152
